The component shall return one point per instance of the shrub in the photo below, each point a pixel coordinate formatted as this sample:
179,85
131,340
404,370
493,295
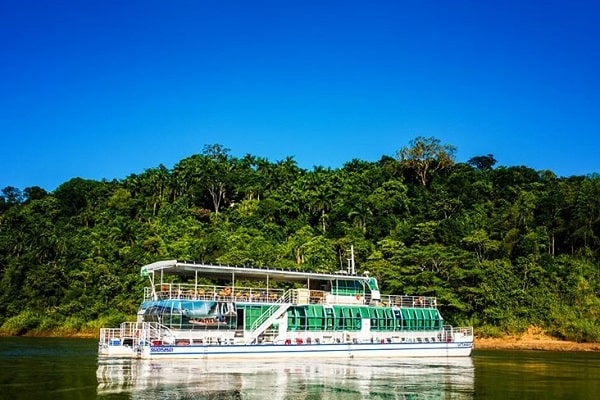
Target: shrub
21,324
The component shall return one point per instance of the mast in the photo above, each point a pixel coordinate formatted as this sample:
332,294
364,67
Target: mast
351,260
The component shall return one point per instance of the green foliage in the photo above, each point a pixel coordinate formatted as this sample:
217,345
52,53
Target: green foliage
426,156
501,248
572,323
22,323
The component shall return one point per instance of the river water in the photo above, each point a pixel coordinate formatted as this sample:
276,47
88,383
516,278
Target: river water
50,368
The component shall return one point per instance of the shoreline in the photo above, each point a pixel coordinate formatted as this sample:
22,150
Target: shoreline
525,343
534,338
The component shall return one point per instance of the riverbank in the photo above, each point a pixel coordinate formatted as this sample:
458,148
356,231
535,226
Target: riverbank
533,339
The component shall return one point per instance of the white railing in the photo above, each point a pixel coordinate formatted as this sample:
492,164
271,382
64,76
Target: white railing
190,291
456,334
409,301
151,332
124,331
264,317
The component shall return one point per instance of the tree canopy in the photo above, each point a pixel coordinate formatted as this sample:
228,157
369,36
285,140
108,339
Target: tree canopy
502,248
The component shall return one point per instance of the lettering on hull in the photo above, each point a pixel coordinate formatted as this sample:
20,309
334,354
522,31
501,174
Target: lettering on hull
161,349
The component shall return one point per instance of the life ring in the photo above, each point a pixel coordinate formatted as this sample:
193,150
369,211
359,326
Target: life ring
358,297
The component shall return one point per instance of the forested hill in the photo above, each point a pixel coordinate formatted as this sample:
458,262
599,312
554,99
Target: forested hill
502,248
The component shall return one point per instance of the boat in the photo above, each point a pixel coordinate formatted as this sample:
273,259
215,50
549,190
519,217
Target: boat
203,311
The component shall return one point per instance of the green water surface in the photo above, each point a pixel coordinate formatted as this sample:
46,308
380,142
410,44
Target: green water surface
50,368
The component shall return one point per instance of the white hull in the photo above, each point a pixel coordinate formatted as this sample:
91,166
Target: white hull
280,351
116,351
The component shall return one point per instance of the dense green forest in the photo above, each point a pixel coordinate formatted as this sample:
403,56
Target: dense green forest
502,248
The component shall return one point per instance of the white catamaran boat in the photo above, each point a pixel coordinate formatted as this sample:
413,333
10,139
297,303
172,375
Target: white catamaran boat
340,315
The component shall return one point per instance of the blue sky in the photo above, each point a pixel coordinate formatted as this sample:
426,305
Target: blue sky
103,89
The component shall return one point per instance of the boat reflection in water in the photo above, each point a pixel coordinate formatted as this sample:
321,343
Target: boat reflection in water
433,378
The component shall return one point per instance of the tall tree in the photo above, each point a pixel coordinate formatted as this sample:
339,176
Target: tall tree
427,155
217,172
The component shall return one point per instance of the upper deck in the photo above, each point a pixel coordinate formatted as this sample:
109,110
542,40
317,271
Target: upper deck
318,288
239,294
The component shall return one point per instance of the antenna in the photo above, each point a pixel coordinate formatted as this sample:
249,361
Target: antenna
352,269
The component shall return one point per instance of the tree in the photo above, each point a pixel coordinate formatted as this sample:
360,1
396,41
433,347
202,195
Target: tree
204,179
481,244
483,163
157,182
34,193
217,171
12,196
318,193
426,155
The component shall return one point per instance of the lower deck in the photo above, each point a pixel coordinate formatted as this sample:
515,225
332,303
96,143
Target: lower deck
448,342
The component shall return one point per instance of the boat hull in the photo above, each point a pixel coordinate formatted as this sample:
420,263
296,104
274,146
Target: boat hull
117,351
341,350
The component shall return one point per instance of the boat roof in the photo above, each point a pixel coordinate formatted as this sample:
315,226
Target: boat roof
192,269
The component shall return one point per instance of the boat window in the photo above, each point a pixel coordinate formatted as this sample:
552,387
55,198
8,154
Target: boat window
347,287
372,283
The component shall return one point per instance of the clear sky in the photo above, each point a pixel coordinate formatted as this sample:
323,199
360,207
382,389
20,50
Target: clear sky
105,88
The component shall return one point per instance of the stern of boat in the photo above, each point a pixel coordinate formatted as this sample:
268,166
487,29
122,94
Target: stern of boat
119,342
462,338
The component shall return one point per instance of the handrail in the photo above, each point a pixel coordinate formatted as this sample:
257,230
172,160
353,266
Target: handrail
269,312
189,291
409,301
154,330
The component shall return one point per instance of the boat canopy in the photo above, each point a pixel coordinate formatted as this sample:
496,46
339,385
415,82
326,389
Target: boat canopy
190,269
